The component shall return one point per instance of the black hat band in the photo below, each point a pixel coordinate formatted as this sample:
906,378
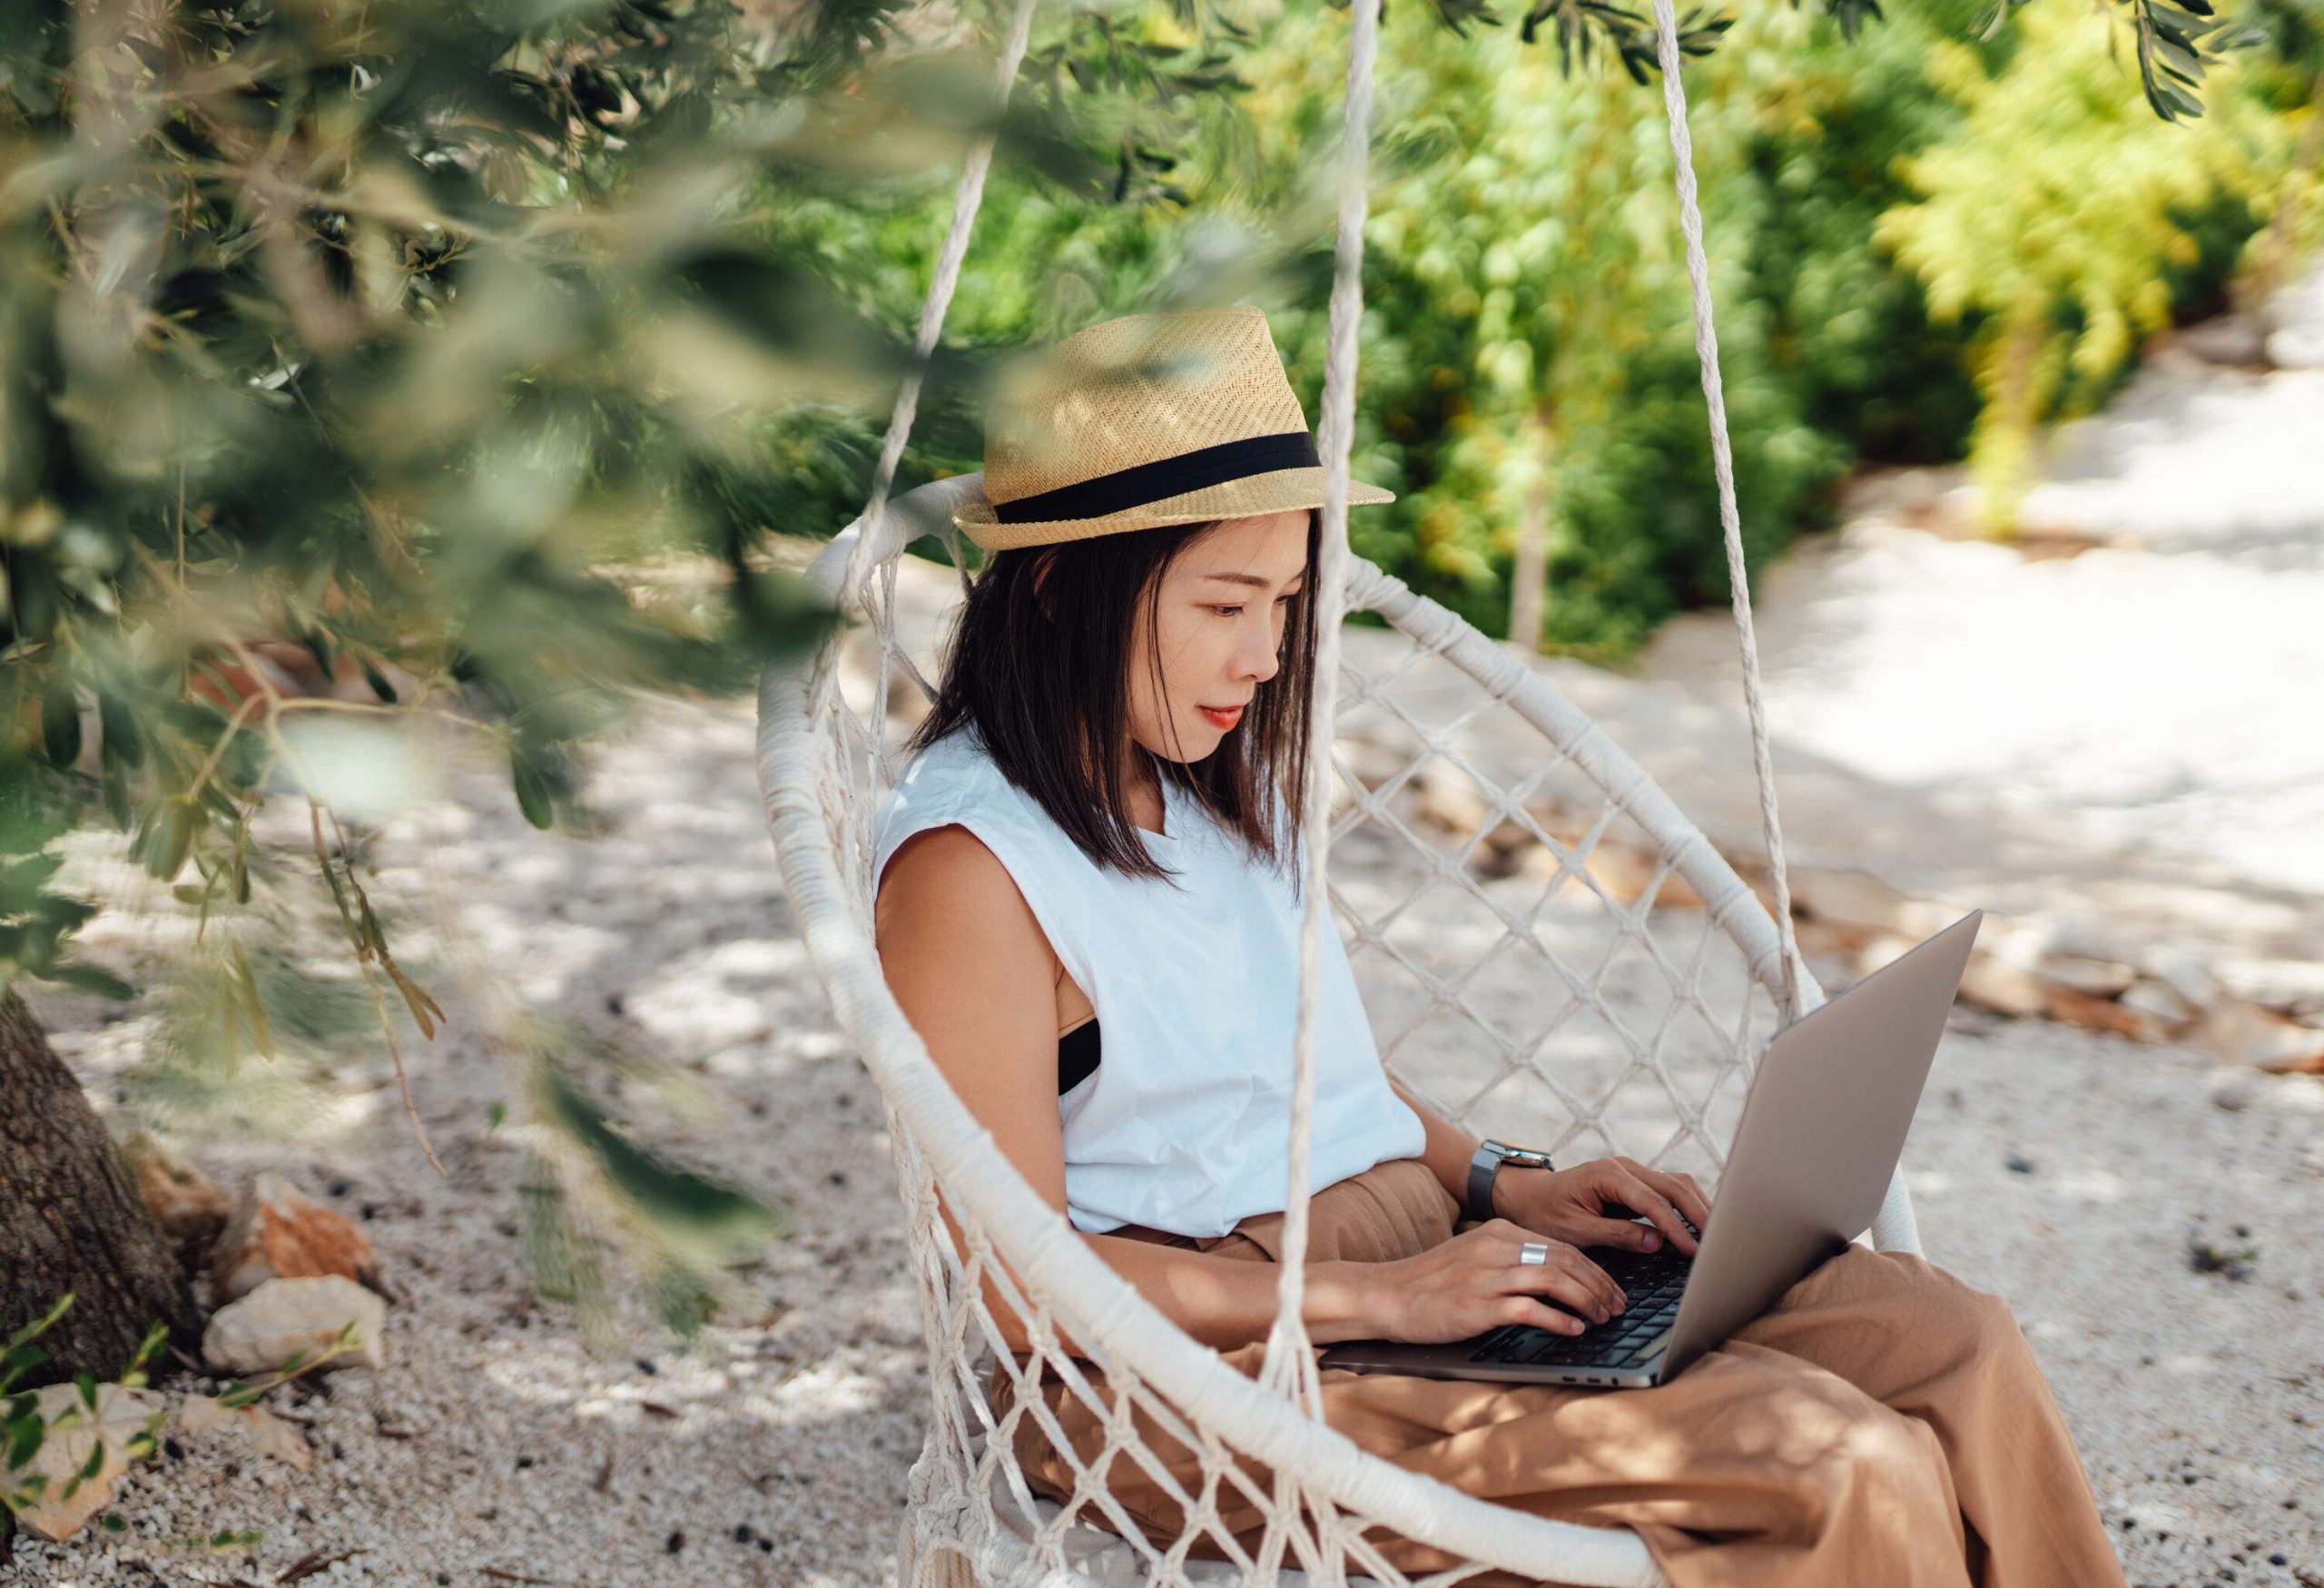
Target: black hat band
1165,477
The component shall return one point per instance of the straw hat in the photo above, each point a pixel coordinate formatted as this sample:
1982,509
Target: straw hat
1175,418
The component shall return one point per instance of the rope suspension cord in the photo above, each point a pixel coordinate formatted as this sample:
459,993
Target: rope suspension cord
967,197
1691,222
1290,1362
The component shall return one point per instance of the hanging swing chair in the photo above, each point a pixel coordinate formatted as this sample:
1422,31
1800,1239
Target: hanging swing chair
1540,1002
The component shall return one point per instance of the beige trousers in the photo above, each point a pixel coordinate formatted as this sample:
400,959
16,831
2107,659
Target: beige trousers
1884,1426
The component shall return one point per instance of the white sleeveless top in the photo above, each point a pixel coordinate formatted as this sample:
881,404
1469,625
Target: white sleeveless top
1185,1126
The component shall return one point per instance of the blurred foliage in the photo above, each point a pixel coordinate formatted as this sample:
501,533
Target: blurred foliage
2062,256
373,363
591,1189
1528,337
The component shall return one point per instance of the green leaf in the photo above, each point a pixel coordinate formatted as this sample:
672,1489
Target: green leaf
689,1205
24,1435
532,790
123,744
60,724
94,979
42,1325
19,1361
116,791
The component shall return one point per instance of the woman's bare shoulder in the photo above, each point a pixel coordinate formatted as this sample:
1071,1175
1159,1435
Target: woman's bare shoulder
946,882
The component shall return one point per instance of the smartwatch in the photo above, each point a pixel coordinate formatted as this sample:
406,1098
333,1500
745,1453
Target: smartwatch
1486,1164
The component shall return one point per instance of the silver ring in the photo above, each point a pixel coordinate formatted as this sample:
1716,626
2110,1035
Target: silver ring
1534,1253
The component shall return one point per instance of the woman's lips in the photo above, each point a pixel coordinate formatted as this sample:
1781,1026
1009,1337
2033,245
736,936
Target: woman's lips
1221,720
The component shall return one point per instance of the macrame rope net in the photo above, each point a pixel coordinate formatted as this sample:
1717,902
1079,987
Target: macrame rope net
1498,839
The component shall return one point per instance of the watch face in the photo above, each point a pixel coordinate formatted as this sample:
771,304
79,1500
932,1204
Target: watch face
1526,1158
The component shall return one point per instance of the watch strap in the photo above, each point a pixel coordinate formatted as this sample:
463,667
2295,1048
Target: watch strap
1485,1167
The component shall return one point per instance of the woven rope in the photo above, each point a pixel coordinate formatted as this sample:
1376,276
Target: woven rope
1691,222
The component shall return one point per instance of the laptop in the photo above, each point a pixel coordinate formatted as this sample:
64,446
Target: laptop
1822,1127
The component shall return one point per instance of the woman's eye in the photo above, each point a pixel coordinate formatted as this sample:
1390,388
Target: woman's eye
1226,611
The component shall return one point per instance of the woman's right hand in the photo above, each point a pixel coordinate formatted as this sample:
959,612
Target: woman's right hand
1474,1282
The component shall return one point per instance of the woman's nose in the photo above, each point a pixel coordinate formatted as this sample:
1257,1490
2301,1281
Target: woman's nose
1259,661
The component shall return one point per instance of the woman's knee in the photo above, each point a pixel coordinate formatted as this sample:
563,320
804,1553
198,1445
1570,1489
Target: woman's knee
1944,1303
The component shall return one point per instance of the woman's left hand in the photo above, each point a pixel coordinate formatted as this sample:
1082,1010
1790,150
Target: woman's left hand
1569,1204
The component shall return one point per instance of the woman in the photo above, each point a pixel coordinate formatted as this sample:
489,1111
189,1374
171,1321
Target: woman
1089,907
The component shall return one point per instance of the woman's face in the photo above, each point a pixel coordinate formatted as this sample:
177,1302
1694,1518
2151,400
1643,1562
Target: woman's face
1216,631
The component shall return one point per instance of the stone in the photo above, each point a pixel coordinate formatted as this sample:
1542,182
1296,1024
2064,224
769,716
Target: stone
1369,763
2248,1033
2094,978
191,1208
2102,1014
283,1317
2293,986
276,1233
272,1435
2003,987
124,1422
2235,1089
2158,1002
2183,970
1448,799
1859,898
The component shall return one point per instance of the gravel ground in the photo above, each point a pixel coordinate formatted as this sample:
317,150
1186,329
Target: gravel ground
2066,1170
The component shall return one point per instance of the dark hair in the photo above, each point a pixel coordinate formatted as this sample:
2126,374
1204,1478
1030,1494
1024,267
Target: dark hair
1039,666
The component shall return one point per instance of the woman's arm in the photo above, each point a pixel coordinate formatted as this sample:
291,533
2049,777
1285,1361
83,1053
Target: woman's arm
969,964
1449,1148
1569,1204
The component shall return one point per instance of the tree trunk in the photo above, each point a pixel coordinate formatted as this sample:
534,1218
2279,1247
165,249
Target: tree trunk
70,1219
1530,568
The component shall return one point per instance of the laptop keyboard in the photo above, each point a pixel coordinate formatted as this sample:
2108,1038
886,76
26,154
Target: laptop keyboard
1651,1280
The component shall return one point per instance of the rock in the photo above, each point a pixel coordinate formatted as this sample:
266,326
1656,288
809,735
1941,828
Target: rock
2102,1014
124,1422
1625,872
2249,1034
276,1234
2235,1089
272,1435
1369,763
2094,978
1859,898
2158,1002
190,1206
2182,971
2006,988
283,1317
2293,986
1448,799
